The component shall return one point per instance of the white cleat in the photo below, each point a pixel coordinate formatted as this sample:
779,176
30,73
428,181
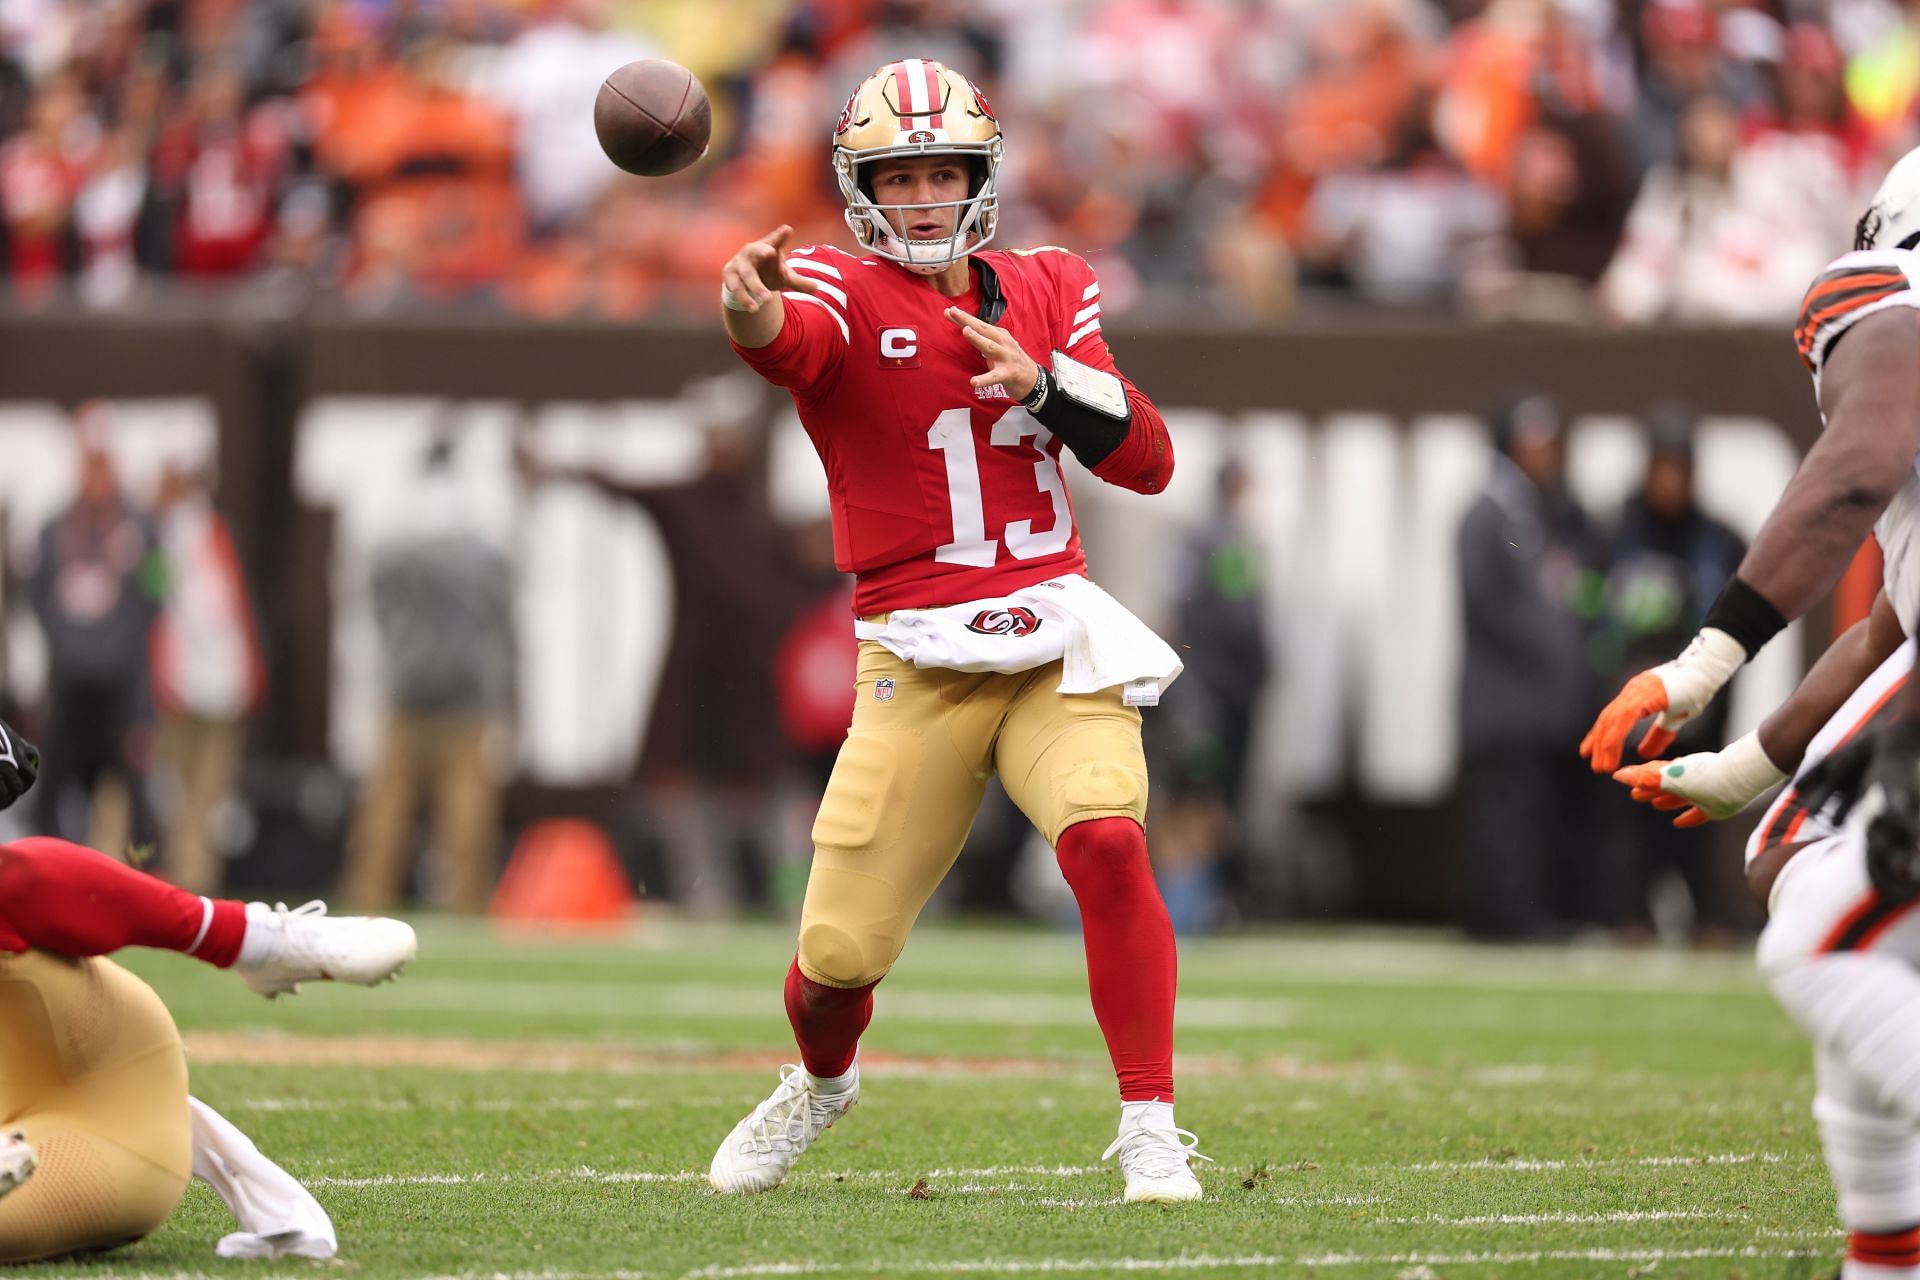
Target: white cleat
17,1161
762,1147
308,945
1157,1164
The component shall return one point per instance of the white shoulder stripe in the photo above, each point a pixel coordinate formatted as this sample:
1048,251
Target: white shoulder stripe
1087,313
824,305
821,267
1091,326
1092,292
832,291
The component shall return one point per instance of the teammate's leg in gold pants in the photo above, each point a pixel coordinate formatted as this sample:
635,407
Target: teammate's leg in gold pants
92,1071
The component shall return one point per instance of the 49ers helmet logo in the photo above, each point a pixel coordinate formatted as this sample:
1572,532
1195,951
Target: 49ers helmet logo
1005,622
846,114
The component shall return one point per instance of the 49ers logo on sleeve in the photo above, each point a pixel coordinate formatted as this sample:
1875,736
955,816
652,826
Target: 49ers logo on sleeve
1016,621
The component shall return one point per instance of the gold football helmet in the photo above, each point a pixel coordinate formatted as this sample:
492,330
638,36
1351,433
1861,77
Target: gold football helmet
915,107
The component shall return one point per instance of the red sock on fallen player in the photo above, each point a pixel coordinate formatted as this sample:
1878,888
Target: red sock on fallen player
67,899
827,1021
1132,965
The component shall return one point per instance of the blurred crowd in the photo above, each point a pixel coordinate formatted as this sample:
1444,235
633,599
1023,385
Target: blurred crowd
1639,160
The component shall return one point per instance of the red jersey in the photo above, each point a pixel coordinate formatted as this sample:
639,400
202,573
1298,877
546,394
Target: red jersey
942,494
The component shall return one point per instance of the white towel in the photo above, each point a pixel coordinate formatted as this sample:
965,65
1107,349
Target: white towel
1097,641
278,1217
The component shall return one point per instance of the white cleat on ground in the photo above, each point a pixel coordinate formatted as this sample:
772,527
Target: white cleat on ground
312,946
762,1147
17,1161
1157,1164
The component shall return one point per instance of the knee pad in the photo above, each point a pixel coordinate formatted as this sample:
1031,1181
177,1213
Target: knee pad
852,928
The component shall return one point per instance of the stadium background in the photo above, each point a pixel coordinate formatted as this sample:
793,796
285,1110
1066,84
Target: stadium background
293,241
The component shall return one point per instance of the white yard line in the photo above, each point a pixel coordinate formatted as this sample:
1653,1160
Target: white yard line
1547,1219
1068,1266
976,1179
1643,1162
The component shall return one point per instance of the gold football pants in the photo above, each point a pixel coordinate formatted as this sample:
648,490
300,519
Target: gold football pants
92,1071
909,780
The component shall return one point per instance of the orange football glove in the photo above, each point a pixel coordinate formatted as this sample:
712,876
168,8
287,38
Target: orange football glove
1645,781
1708,785
1674,691
1643,696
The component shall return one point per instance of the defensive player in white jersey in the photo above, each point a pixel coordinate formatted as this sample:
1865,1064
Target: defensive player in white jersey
1841,946
940,380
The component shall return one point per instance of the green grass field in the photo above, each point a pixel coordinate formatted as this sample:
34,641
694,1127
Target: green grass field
1378,1104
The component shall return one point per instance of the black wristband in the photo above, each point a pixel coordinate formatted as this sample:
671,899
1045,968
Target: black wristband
1038,396
1746,615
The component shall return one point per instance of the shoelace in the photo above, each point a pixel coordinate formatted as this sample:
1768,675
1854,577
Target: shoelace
1157,1153
786,1118
314,908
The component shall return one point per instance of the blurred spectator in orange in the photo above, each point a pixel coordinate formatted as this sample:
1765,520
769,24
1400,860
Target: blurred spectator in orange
429,164
1363,72
1501,68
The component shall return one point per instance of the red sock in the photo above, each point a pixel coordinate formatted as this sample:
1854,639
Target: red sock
1131,963
827,1021
1892,1249
69,900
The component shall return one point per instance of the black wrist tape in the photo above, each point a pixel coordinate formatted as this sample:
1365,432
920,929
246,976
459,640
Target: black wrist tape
1091,435
1746,615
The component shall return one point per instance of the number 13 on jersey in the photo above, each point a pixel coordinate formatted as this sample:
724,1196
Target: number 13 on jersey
952,435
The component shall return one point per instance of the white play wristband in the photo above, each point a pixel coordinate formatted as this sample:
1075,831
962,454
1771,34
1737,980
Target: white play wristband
1749,771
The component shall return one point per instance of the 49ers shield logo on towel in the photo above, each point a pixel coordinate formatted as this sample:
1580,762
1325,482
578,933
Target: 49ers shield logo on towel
1005,622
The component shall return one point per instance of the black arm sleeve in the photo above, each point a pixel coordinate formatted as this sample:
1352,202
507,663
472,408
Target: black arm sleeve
1091,435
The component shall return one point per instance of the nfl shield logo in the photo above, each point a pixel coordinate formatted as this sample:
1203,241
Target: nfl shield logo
883,689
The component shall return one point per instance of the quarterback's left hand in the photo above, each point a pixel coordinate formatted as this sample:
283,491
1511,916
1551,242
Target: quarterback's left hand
19,764
1708,785
1007,364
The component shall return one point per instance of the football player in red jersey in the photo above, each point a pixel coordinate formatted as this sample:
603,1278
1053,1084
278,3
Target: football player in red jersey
939,381
1842,942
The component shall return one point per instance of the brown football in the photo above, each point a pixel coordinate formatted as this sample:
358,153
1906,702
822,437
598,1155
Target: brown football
652,117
